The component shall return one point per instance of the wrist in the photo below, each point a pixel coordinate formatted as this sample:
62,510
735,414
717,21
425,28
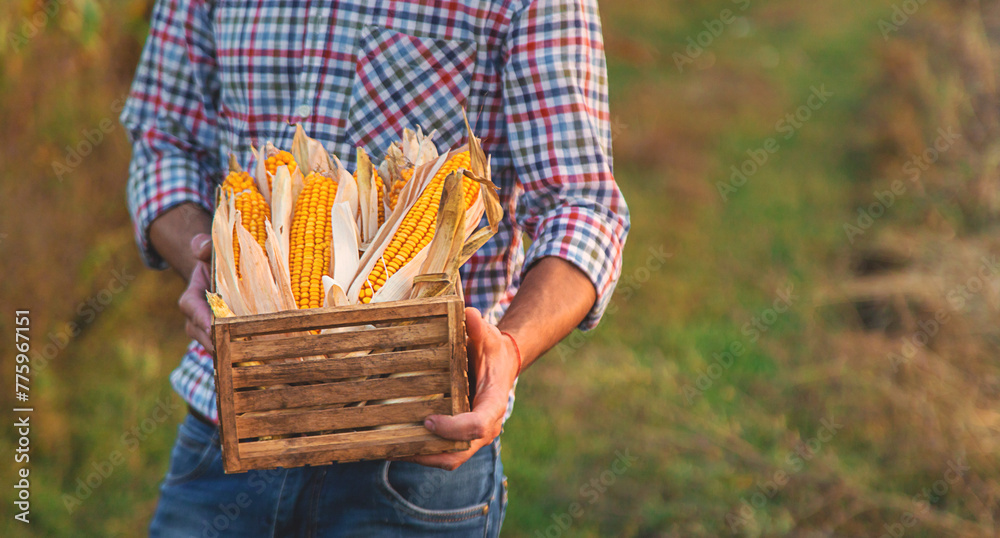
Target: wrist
516,352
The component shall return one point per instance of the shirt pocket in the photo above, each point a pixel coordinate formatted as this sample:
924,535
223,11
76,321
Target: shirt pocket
403,81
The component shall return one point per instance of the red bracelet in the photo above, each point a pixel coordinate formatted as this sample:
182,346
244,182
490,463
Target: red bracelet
516,348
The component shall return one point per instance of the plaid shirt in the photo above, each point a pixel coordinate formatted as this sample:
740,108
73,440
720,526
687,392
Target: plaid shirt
218,75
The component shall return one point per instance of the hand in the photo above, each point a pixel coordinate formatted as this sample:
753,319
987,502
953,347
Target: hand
495,357
192,302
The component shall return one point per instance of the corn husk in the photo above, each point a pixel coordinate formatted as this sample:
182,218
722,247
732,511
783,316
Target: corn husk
310,153
343,246
226,278
367,200
257,283
282,207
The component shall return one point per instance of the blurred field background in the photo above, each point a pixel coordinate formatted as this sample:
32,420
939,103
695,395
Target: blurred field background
860,392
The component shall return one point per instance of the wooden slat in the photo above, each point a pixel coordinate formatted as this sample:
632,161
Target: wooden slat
436,321
395,449
459,360
343,392
285,422
338,316
438,358
312,344
284,448
224,391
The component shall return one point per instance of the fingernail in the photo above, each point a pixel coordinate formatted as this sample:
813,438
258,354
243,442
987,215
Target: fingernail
203,243
429,424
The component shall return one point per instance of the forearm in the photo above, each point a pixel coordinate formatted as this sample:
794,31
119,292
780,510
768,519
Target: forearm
171,235
553,299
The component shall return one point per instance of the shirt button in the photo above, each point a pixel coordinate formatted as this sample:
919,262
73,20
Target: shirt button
304,111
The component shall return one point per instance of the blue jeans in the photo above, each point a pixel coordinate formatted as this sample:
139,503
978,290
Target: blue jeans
374,498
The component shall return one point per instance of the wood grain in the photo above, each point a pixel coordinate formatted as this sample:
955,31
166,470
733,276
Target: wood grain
224,392
438,358
436,327
316,420
341,392
336,316
367,439
314,344
459,359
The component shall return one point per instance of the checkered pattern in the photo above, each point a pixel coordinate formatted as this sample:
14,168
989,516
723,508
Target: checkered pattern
218,75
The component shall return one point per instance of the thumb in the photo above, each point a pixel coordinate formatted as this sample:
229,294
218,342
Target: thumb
475,327
201,247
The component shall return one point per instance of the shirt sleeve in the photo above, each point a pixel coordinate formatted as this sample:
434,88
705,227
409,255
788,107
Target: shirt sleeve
170,117
556,105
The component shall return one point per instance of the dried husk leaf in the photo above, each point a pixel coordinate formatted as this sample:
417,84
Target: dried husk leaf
480,165
418,148
347,188
343,246
260,173
281,209
367,199
445,247
257,283
234,165
310,153
334,294
278,258
398,286
226,279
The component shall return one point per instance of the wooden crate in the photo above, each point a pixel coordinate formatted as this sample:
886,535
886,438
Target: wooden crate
309,411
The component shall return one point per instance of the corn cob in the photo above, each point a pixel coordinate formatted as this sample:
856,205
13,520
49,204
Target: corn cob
398,185
309,244
252,207
380,187
417,228
281,158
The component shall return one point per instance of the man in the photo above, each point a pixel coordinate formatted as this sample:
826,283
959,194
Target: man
217,75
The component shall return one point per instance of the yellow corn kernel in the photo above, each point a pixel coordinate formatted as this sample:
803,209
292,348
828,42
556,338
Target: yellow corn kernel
380,187
417,228
309,241
407,173
252,207
282,158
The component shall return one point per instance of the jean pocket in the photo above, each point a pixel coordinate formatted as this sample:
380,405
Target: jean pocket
439,496
408,81
193,453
